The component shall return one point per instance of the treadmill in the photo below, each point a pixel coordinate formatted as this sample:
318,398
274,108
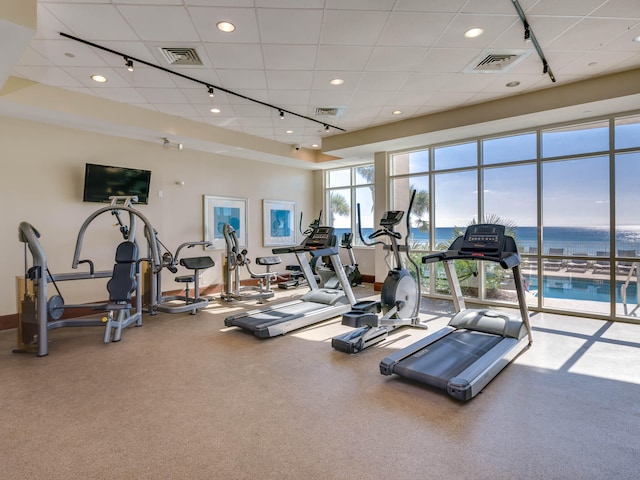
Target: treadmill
463,357
315,306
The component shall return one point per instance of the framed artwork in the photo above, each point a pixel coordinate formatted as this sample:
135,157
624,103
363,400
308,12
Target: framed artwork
221,210
278,223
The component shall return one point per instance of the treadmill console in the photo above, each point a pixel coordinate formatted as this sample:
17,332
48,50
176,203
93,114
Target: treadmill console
483,239
320,237
391,218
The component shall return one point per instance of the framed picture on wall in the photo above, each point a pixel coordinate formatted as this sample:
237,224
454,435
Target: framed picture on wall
219,211
278,223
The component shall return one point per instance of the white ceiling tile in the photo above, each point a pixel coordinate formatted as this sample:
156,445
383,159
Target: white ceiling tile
122,95
291,99
589,34
414,29
429,81
220,3
291,80
443,6
386,5
242,79
169,23
235,55
619,9
495,7
333,57
145,77
244,19
391,59
147,2
370,97
349,27
83,74
31,57
95,22
176,109
377,81
48,75
49,26
329,98
289,26
289,57
321,80
163,95
290,3
447,60
493,26
565,7
403,54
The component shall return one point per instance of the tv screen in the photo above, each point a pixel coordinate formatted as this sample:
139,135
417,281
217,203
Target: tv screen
102,182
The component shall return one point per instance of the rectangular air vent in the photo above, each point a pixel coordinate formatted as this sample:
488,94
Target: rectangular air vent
328,111
496,62
180,55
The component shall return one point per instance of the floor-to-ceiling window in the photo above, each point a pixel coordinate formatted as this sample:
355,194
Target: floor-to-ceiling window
346,190
569,195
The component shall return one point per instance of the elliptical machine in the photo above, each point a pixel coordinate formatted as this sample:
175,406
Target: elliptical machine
400,295
328,277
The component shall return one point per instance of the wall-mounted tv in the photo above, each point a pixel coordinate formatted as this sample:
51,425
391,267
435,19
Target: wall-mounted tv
102,182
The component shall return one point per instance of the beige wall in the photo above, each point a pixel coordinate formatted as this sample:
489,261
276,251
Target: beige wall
42,180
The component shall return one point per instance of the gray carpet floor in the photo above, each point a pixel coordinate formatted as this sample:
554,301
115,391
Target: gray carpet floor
185,397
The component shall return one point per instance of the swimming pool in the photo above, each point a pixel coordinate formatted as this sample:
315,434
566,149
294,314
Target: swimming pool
572,288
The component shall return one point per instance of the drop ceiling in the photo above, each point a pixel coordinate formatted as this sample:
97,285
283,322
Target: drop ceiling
408,56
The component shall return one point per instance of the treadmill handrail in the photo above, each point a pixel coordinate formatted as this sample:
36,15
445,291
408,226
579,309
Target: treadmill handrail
505,259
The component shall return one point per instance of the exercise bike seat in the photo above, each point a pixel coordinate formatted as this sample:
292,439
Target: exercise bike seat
197,263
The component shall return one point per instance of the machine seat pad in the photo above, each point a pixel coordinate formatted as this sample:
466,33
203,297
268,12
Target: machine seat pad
186,278
268,260
197,263
488,321
326,296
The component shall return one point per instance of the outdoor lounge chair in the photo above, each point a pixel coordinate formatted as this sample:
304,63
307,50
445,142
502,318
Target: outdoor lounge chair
601,264
554,263
624,268
527,261
578,263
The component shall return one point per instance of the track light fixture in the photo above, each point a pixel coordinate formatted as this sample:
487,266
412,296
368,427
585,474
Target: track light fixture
528,35
167,144
129,63
326,128
210,87
211,92
281,114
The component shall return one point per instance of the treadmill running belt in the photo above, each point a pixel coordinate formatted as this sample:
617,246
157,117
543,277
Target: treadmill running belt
267,318
444,359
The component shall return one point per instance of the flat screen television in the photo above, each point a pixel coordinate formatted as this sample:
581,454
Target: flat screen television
102,182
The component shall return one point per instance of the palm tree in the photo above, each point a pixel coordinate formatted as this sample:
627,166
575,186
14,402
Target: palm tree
339,206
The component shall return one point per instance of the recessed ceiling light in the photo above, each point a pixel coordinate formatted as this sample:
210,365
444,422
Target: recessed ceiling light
636,39
337,81
99,78
315,145
226,27
289,131
397,112
473,32
215,110
512,84
69,54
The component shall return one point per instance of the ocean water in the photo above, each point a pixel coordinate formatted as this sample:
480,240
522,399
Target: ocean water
574,240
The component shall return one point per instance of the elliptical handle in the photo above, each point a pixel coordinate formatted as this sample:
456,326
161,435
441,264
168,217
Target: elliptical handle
368,244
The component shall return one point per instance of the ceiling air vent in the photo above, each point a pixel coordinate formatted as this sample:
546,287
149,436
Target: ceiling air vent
180,55
329,111
494,62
